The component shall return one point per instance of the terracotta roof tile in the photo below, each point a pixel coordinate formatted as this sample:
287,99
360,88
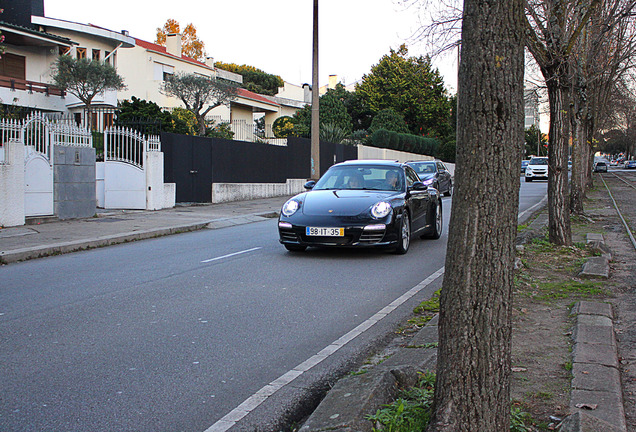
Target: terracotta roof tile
162,49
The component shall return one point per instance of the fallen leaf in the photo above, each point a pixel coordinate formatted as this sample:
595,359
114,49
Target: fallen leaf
587,406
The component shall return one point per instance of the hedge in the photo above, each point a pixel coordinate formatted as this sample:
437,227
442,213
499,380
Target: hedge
383,138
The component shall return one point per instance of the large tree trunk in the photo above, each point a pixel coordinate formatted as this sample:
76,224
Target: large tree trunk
559,230
472,392
578,182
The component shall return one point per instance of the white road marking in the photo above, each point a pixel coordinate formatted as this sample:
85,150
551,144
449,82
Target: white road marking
260,396
531,209
232,254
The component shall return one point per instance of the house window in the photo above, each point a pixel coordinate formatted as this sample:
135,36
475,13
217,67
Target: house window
96,53
106,58
78,119
162,71
13,66
80,52
64,51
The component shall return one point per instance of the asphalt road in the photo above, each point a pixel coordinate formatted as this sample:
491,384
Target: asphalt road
174,333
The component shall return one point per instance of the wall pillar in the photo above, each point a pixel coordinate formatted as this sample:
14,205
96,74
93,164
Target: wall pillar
12,185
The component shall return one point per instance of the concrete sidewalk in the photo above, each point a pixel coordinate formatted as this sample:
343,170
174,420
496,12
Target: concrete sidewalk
49,237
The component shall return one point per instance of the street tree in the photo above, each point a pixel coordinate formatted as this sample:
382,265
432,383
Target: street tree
191,45
333,114
553,30
254,79
199,94
85,79
603,55
535,142
410,86
472,392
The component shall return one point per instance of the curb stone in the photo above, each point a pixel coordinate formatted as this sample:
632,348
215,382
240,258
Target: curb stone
597,396
352,399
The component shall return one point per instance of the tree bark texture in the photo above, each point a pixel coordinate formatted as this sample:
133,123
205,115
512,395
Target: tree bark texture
472,392
559,229
578,181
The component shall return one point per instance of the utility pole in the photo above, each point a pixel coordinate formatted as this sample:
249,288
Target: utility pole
315,109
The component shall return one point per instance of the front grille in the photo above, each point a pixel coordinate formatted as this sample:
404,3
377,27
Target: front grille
288,236
372,237
327,240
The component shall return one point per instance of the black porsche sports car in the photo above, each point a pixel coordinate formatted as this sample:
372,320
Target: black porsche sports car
362,203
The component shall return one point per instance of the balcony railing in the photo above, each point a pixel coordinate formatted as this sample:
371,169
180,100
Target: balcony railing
31,86
251,132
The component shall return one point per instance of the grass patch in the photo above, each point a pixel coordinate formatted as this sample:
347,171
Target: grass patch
430,305
567,289
412,410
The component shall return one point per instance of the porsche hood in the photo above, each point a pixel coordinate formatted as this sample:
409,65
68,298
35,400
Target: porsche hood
341,202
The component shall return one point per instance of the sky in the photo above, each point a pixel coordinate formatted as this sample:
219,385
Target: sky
272,35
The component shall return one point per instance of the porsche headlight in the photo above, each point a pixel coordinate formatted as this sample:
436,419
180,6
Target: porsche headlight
428,182
290,207
381,209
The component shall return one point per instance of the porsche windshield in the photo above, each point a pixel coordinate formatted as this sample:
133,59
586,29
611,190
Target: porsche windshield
362,178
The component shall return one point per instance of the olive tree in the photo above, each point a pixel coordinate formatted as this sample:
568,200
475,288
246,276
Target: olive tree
85,78
199,94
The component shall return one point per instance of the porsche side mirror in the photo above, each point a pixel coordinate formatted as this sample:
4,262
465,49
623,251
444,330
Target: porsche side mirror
310,184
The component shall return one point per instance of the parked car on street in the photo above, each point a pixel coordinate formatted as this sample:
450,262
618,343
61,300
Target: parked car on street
362,204
600,166
524,164
435,174
630,164
537,169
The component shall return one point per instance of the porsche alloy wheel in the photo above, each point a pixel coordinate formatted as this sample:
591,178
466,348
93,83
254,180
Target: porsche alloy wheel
405,235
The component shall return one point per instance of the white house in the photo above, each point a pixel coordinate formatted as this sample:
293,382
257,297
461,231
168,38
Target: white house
25,68
92,42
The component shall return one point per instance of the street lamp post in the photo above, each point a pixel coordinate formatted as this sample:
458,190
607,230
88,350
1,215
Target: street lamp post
315,109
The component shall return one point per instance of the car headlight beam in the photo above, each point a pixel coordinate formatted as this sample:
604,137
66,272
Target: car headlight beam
290,207
380,209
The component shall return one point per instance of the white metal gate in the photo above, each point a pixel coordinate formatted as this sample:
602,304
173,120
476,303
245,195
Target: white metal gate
39,135
38,167
124,167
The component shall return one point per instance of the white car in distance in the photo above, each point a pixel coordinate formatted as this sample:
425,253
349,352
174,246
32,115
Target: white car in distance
537,169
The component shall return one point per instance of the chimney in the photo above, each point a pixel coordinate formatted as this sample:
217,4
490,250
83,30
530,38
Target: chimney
19,11
209,61
333,80
173,44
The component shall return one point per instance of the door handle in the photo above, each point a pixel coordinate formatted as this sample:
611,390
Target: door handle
193,171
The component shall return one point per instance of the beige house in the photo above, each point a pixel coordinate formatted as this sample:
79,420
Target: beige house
147,65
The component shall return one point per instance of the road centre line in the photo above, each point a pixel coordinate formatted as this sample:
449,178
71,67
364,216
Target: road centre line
268,390
230,255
